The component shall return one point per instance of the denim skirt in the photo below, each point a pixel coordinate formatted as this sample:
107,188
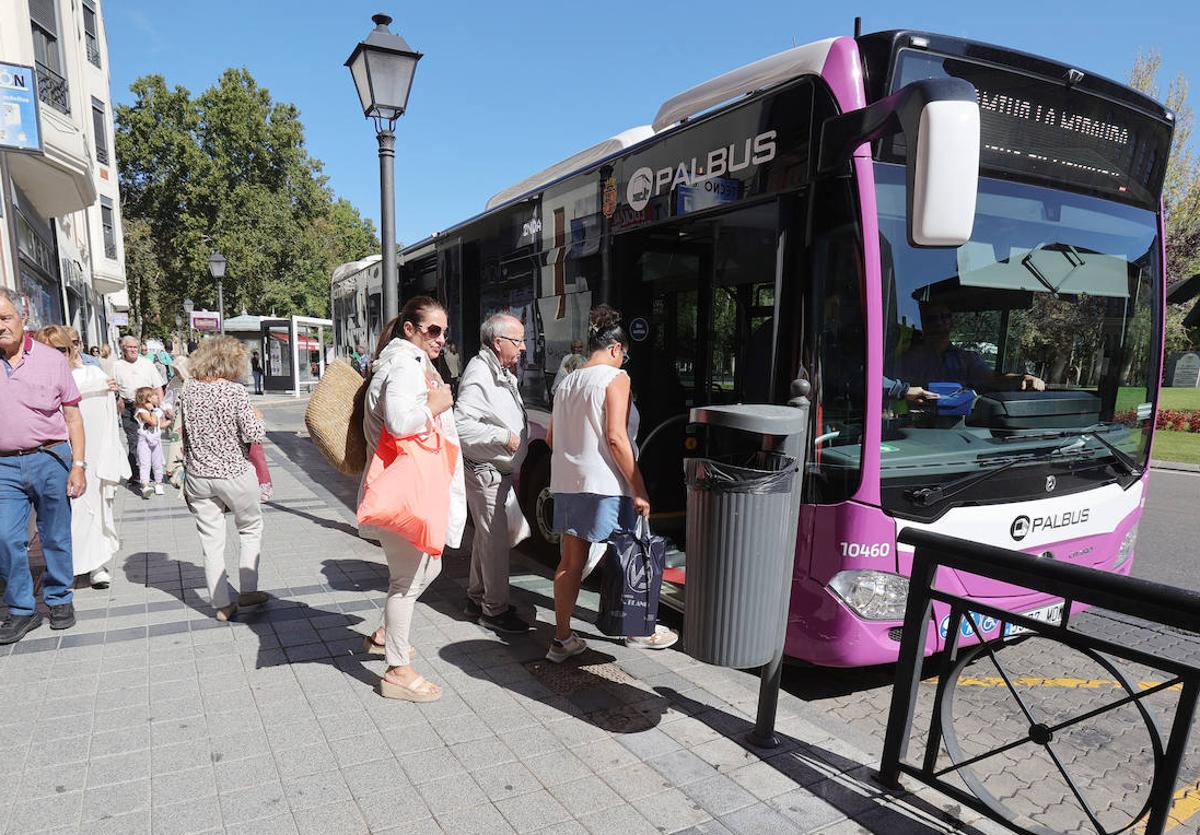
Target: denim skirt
591,516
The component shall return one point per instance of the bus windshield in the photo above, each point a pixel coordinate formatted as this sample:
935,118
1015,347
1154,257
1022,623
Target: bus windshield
1036,335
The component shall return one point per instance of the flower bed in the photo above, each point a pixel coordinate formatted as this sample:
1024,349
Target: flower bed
1175,420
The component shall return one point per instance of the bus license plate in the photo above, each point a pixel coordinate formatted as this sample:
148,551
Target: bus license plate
1047,614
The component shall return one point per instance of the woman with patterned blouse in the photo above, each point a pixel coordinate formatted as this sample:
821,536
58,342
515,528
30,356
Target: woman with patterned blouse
219,425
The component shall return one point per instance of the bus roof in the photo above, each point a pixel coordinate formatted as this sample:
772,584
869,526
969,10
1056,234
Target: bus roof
584,158
781,67
767,72
351,267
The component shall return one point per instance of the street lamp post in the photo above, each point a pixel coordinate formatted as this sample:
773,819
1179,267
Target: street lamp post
382,67
216,268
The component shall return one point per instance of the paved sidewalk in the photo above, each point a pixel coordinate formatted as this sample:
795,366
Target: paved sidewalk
152,716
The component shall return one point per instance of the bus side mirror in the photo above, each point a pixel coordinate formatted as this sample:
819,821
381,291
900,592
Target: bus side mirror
943,174
940,121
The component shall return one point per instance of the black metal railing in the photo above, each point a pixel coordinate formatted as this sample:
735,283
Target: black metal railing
1140,599
102,155
53,89
93,49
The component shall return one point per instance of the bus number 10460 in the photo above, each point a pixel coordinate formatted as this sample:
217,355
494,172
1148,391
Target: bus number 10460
862,549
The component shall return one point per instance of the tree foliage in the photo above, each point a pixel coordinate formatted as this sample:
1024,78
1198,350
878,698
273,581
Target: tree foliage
1181,191
227,170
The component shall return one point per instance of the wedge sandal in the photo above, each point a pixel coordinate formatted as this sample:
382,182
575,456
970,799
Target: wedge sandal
418,691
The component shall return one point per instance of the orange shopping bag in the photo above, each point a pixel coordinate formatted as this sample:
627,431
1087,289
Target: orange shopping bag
408,488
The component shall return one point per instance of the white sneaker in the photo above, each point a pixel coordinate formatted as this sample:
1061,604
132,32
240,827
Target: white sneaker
158,488
661,639
146,491
100,578
560,651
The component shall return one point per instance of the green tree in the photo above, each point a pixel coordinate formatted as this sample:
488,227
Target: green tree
141,275
1181,191
228,170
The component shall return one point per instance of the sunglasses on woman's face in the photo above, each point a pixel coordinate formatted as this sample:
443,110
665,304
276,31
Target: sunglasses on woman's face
62,348
434,331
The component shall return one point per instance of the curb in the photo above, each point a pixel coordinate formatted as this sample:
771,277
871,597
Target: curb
1177,466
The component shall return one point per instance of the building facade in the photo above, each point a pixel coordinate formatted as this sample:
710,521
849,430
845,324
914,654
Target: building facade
61,248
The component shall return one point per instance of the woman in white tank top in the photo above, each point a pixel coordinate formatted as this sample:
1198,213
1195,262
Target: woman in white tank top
594,475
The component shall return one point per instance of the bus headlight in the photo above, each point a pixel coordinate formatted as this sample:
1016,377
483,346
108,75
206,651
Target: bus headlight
1125,552
873,595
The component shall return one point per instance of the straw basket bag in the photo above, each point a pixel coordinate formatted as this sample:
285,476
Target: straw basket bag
334,417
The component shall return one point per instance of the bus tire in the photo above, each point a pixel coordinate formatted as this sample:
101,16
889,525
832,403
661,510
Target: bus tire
538,505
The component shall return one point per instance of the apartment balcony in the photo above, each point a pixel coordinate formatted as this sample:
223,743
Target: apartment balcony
53,89
61,179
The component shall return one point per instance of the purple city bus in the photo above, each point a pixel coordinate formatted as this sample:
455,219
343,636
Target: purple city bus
889,217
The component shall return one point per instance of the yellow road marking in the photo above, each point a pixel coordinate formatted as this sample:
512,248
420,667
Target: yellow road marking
1184,807
1070,683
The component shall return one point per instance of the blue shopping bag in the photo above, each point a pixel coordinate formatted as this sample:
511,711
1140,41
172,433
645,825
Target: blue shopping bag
631,573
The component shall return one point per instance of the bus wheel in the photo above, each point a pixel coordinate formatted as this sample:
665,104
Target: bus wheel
537,503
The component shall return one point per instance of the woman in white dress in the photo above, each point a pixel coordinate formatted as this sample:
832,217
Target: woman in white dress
93,528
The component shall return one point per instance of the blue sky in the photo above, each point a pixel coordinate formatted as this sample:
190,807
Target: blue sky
506,89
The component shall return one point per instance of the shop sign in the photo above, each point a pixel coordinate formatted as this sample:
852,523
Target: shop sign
206,321
20,116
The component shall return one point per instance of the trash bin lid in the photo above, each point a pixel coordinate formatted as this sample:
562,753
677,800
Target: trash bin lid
763,418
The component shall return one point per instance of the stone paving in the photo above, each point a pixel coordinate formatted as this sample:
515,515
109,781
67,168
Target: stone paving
150,716
1110,757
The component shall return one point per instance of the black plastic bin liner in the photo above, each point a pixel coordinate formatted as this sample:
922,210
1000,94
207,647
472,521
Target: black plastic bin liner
741,532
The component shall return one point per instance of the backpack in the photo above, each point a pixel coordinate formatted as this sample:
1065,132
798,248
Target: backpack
334,417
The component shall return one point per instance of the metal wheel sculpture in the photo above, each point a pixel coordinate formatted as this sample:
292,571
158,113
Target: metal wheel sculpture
1040,733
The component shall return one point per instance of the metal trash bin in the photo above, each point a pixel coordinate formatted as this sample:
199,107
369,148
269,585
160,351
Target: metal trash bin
742,513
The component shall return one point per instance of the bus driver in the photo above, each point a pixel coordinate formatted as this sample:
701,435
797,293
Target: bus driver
935,359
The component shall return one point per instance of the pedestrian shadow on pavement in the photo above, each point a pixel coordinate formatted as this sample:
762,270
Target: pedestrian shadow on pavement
331,524
851,787
287,631
178,578
355,575
303,455
590,686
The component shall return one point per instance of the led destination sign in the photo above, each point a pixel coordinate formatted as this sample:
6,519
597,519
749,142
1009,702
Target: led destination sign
1031,127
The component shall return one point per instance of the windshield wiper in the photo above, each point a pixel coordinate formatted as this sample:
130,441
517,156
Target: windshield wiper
1127,461
1067,251
927,496
1027,263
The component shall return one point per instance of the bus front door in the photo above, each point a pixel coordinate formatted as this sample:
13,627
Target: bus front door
698,301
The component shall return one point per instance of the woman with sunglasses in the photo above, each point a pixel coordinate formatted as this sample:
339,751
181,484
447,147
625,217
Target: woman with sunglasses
594,474
93,525
408,397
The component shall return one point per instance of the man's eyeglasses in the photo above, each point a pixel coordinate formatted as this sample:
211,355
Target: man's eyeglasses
517,342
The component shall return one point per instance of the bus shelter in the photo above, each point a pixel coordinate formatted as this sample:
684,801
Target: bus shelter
293,353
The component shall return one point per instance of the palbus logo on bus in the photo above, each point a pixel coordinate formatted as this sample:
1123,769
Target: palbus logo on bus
646,183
